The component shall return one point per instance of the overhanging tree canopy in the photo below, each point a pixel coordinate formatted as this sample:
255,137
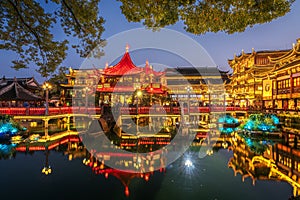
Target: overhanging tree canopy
26,26
26,29
201,16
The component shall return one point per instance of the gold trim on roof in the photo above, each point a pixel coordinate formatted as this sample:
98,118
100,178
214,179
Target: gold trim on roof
287,56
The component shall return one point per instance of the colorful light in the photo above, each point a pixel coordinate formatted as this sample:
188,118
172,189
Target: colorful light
8,128
228,120
261,122
6,148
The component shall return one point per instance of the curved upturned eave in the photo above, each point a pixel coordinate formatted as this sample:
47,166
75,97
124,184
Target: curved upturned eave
124,67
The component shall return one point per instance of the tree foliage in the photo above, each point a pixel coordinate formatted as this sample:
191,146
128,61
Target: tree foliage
203,16
26,28
29,27
59,77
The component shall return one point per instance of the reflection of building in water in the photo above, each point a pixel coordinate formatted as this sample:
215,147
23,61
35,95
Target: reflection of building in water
125,177
72,146
133,165
279,162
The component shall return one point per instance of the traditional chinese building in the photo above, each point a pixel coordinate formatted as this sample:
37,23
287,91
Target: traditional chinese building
78,84
282,85
249,70
120,82
14,92
203,85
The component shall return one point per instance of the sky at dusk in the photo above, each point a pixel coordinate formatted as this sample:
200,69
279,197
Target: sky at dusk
278,34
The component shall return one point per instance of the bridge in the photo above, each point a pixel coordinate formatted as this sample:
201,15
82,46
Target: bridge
192,110
138,112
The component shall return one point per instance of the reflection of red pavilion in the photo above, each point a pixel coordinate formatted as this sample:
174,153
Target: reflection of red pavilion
124,177
125,77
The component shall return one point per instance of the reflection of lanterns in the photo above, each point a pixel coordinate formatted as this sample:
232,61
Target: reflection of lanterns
102,166
224,144
86,161
209,152
146,177
46,170
151,168
126,191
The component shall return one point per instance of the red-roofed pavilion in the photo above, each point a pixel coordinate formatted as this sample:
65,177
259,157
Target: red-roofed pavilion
125,78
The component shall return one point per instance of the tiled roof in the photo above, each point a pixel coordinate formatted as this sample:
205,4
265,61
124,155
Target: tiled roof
124,67
15,91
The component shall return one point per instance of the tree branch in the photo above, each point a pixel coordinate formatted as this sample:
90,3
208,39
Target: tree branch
73,15
29,28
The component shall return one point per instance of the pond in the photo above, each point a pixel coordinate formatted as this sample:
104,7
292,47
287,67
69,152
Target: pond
233,172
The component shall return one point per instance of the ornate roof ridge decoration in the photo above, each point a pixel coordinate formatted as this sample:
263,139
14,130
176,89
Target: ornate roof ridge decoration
287,56
27,79
149,70
27,82
243,55
287,65
32,83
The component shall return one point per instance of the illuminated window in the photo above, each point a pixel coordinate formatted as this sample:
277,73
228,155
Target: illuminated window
298,81
279,84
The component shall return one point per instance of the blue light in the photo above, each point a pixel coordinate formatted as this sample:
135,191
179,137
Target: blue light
227,119
275,119
6,148
264,142
263,127
221,120
249,125
261,122
249,142
8,129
